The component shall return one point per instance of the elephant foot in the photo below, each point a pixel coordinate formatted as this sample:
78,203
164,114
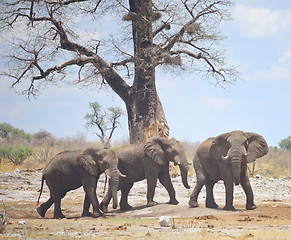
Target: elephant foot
251,206
229,208
59,216
40,212
210,202
125,207
97,214
193,204
174,202
211,205
103,207
87,214
151,203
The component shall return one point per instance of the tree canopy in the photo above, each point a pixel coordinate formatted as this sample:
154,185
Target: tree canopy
117,43
105,121
10,133
285,143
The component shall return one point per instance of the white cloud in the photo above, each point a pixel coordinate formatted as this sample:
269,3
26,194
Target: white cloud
261,22
214,104
280,71
285,59
276,73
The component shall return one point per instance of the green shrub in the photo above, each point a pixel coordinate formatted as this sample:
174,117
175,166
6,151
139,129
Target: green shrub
15,154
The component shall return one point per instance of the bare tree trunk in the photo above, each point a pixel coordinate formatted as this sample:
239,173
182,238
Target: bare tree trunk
141,127
145,113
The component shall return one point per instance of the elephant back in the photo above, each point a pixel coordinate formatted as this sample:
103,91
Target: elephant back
130,161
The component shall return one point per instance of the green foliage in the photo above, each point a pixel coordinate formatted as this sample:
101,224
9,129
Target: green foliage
104,120
15,154
114,148
10,133
285,143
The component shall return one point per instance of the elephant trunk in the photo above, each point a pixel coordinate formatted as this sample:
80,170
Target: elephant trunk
184,174
113,184
236,170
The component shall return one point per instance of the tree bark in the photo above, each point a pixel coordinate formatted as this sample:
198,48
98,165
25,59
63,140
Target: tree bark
145,113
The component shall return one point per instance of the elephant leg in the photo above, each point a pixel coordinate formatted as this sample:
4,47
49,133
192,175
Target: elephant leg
151,187
151,174
90,185
57,210
199,184
245,183
44,207
229,196
57,192
124,197
105,202
210,202
86,207
165,180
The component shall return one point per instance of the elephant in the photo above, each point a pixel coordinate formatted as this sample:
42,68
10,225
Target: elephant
70,170
148,161
225,157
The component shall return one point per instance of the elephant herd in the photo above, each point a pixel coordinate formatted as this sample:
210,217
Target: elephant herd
224,157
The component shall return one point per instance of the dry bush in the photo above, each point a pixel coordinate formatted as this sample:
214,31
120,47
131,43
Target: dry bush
190,149
277,163
71,143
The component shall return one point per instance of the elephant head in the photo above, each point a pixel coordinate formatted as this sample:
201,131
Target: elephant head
162,150
237,148
98,161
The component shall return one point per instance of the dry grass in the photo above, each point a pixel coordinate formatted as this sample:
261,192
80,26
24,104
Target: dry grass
276,164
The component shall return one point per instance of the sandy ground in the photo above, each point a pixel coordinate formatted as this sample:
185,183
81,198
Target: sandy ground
271,219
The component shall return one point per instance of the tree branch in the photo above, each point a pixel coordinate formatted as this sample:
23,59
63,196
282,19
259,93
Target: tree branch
165,25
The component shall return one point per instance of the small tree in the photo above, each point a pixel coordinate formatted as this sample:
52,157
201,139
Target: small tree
285,143
105,121
10,134
41,136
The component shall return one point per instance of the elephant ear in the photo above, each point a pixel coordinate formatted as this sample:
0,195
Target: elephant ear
86,161
154,150
258,146
219,146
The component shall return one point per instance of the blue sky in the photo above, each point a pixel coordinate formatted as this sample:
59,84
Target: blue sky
258,41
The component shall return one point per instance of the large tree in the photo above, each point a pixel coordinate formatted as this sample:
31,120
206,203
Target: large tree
48,39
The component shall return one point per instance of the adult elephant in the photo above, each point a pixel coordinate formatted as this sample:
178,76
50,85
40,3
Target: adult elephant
70,170
148,161
225,157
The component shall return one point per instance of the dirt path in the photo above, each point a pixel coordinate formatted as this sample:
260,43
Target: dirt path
271,220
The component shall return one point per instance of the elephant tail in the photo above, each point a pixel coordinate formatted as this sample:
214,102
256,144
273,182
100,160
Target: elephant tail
42,181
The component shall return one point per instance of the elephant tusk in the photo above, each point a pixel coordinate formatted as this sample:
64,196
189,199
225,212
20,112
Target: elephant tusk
122,175
224,158
246,154
107,173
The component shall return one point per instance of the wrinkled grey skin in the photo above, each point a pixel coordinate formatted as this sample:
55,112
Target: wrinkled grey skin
148,161
225,157
70,170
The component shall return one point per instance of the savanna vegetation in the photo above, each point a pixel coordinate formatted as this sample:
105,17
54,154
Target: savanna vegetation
34,150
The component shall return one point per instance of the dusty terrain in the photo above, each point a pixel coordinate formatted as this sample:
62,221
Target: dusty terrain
271,220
